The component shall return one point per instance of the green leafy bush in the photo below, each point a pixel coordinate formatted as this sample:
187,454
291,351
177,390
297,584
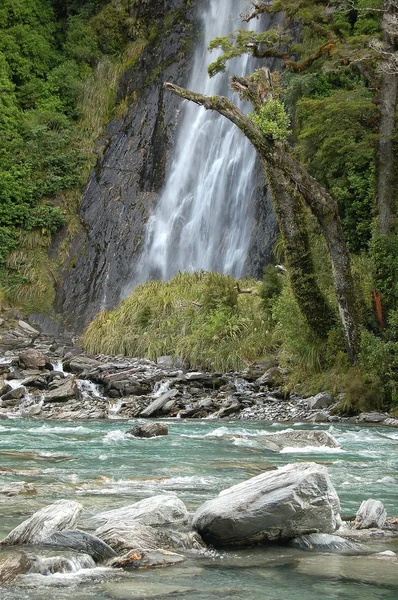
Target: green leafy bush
272,119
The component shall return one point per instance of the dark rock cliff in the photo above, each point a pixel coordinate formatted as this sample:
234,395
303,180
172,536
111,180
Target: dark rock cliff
125,185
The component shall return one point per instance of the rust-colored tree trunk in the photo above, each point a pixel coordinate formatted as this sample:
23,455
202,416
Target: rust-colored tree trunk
276,156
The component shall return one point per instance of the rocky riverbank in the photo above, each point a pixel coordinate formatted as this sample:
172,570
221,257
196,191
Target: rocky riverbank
52,378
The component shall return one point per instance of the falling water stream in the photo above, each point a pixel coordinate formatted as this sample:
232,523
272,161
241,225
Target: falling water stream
204,217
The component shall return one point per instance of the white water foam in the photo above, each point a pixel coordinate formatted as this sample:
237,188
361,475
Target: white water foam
311,449
205,216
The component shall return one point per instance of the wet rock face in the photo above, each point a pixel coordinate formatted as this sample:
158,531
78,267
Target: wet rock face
126,182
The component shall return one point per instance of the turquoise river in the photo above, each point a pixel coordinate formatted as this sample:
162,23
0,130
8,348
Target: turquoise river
96,464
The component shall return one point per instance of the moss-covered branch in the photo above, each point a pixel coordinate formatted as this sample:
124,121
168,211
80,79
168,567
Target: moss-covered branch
324,207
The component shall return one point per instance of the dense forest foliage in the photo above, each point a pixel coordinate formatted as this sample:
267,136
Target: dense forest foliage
324,111
59,65
60,62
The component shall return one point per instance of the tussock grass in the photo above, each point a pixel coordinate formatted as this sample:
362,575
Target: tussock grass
199,317
30,285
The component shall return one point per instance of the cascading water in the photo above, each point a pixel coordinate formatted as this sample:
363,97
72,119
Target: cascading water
205,215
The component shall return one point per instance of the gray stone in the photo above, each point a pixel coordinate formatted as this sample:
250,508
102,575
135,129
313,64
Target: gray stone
322,400
272,377
158,404
28,329
4,389
293,500
80,363
78,540
148,430
66,389
372,417
301,438
60,515
156,510
371,513
14,394
18,488
32,359
165,362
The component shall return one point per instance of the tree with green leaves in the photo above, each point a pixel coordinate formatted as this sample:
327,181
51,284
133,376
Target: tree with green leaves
336,43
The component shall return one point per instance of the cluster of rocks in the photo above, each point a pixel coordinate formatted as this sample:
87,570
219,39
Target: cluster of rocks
54,379
295,504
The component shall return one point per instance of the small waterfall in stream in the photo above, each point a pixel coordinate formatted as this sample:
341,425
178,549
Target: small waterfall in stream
205,215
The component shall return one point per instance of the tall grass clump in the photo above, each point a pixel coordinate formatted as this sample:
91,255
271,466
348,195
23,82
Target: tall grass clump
199,317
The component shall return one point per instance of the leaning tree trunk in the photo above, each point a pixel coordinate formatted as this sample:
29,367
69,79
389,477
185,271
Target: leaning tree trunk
316,197
387,151
289,210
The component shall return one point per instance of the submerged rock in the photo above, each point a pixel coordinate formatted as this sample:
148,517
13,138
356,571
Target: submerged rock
123,590
138,559
63,514
67,561
11,565
277,505
275,442
75,539
156,510
18,488
371,513
302,438
148,430
324,542
376,569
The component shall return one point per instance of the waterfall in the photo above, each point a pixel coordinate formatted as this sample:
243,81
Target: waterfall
204,217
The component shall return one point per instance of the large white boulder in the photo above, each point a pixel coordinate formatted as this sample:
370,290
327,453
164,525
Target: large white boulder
371,513
60,515
277,505
156,511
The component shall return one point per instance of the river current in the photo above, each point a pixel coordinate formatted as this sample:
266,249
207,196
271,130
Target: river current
99,466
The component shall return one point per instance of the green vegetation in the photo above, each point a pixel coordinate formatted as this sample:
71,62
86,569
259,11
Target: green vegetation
60,62
199,317
329,93
272,119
